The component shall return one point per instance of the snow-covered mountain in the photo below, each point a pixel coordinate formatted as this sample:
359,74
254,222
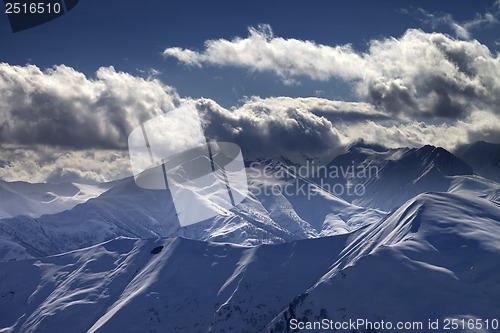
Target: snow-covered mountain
303,207
397,175
188,286
484,157
20,198
435,257
127,210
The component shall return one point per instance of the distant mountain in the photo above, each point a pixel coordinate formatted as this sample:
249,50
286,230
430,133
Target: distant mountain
301,250
20,198
394,176
484,157
305,205
435,257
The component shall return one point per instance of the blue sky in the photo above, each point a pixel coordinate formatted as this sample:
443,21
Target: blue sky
131,35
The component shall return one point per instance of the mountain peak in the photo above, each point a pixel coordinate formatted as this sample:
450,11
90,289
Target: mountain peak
447,163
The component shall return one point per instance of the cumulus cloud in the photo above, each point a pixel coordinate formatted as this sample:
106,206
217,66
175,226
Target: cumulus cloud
424,74
419,74
272,128
299,128
59,125
62,107
262,51
92,118
335,111
293,128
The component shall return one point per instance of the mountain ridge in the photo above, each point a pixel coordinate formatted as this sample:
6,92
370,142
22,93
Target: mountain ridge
264,217
135,285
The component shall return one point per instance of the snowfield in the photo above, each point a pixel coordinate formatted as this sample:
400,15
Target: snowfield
435,257
34,200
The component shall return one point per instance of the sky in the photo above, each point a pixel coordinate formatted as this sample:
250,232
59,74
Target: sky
281,78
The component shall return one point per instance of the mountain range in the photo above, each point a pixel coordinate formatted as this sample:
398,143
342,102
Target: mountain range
413,265
420,242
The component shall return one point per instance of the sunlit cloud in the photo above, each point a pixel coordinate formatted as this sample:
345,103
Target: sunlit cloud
418,74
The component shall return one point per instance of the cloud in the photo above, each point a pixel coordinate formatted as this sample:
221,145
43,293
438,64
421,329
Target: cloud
62,107
419,74
461,29
270,128
262,51
293,128
59,125
299,128
334,111
479,125
422,74
47,164
93,118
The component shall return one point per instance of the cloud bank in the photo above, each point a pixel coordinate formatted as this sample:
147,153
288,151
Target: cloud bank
421,88
419,74
267,128
62,107
320,129
39,164
59,125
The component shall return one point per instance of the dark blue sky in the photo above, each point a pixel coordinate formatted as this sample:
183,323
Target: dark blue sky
130,35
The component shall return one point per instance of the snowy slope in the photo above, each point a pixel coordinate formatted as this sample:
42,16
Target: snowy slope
34,200
475,186
127,210
189,286
435,257
301,200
